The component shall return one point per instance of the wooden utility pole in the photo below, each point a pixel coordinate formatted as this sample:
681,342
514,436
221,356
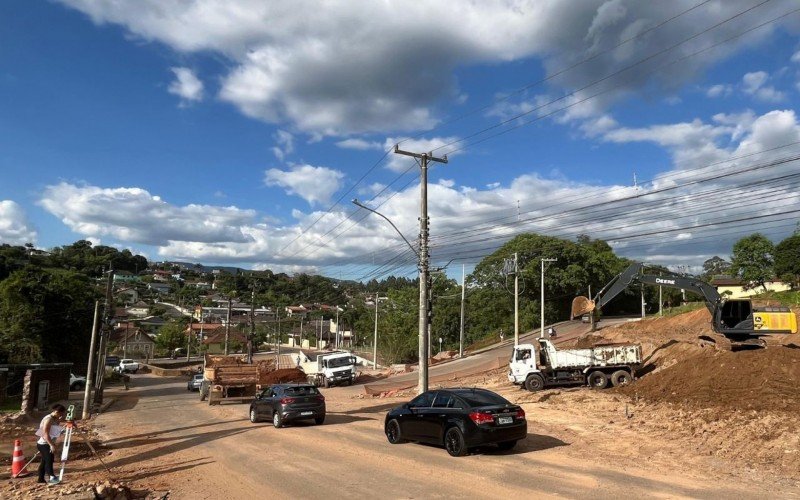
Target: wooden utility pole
104,338
252,324
463,294
189,336
424,226
87,389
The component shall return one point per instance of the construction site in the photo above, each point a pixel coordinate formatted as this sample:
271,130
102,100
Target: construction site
697,421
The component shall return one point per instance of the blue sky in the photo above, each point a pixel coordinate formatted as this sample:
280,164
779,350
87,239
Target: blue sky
222,132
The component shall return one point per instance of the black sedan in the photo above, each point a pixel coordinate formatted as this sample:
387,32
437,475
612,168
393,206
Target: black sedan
284,403
459,419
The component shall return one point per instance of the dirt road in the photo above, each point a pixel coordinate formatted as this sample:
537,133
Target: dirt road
162,437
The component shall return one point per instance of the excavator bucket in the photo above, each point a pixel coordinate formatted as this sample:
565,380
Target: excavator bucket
581,306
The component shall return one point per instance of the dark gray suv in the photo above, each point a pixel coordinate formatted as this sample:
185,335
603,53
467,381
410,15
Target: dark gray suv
284,403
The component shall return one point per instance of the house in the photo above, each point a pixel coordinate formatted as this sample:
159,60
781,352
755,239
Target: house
153,323
120,314
125,277
160,288
734,288
159,275
296,311
215,343
132,342
128,295
204,329
139,309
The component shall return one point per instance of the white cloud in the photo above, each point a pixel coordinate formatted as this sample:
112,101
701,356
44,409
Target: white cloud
186,85
350,67
316,185
372,189
796,57
754,84
133,215
285,146
720,90
15,229
359,144
401,163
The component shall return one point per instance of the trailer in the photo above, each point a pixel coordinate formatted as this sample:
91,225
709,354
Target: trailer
231,379
539,365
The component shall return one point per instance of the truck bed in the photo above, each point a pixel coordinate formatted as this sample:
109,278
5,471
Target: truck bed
624,354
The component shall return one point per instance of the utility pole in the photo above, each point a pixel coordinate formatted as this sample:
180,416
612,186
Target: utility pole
337,343
189,337
423,159
252,324
104,337
463,293
660,303
541,321
516,298
375,339
642,292
87,389
228,326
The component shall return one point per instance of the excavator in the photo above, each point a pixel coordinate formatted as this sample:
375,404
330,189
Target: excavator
738,322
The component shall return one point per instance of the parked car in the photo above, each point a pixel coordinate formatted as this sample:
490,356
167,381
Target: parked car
195,382
458,419
283,403
76,382
178,352
127,366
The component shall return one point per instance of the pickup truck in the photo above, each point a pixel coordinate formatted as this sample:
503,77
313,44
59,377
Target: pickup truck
539,365
127,366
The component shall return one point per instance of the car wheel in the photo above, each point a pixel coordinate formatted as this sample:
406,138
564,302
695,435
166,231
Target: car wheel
319,420
506,445
393,433
620,378
253,415
277,420
454,442
598,380
534,382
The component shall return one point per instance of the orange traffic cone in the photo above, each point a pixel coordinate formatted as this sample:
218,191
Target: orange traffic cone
18,459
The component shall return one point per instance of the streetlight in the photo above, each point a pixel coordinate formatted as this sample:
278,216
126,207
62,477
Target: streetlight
541,325
375,340
440,344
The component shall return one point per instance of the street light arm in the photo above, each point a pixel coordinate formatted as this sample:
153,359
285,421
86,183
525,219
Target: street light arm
358,203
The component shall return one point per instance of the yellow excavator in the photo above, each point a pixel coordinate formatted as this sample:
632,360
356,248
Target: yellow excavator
737,320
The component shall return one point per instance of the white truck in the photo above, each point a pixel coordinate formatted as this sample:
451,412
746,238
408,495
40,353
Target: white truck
536,366
337,368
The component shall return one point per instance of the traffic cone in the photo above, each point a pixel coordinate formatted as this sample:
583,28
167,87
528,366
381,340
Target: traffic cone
18,459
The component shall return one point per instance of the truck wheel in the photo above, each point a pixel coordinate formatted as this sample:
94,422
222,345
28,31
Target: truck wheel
534,383
620,378
325,382
598,380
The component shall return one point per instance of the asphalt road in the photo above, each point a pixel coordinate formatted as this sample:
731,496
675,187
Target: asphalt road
163,437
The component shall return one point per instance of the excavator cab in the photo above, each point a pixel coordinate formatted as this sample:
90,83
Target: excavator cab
735,312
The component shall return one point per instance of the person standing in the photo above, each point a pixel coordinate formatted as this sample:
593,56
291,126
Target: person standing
49,430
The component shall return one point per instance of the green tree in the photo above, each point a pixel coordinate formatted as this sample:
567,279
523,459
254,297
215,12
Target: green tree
172,335
787,259
753,260
714,266
45,316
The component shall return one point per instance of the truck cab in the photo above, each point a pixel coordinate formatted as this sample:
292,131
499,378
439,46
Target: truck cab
337,368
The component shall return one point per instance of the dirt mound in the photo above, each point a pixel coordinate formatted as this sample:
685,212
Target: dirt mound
762,379
285,376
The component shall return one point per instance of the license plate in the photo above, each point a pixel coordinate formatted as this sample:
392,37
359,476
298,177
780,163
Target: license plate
304,413
505,420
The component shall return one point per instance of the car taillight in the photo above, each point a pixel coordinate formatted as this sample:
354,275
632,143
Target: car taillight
521,414
481,418
286,401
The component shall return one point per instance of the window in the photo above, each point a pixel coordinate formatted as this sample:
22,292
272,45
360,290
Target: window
523,354
443,400
306,390
424,400
478,397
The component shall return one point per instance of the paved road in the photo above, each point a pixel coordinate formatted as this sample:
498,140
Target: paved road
163,437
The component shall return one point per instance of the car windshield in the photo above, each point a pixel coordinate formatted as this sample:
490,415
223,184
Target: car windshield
337,362
127,361
481,398
305,390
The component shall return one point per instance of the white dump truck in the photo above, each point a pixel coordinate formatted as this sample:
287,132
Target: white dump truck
336,368
539,365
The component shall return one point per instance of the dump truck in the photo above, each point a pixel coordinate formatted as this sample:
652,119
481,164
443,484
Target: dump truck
738,322
539,365
232,379
335,368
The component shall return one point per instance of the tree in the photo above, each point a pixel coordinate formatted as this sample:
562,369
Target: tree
45,316
714,266
787,259
753,260
172,335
